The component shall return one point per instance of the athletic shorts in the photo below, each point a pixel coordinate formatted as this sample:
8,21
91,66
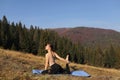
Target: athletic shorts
54,69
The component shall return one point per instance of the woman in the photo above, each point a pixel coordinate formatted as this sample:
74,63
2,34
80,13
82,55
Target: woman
50,62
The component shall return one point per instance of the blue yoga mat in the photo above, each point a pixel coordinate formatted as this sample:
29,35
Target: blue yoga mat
74,73
36,71
80,73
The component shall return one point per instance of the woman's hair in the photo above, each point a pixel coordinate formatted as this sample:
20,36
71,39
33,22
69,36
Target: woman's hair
51,46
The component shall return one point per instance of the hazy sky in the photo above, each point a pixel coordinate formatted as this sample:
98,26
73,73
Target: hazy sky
63,13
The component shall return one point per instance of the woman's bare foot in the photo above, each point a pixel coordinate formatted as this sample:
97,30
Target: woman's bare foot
67,59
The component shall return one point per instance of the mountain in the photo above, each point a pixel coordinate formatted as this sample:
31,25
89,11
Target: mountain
16,65
91,36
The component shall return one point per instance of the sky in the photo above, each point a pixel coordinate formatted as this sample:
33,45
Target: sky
63,13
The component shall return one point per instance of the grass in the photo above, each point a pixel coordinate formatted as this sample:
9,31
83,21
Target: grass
18,66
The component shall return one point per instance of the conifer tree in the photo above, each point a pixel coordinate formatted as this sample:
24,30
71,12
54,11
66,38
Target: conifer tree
99,57
110,58
4,32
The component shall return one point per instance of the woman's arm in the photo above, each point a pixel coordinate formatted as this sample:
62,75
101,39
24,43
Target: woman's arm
46,62
62,59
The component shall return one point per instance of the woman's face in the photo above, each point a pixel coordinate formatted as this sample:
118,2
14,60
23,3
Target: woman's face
47,47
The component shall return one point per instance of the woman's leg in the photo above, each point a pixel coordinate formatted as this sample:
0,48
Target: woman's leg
67,70
56,69
45,72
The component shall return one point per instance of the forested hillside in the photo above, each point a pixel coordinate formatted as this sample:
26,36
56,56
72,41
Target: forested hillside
98,43
16,36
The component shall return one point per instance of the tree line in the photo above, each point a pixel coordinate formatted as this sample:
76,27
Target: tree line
15,36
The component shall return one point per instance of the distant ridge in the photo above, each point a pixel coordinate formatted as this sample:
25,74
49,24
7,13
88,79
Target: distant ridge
90,36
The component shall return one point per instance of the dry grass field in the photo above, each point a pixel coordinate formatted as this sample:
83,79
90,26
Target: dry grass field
18,66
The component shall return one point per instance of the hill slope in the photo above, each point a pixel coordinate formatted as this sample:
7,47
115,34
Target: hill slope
88,36
18,66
